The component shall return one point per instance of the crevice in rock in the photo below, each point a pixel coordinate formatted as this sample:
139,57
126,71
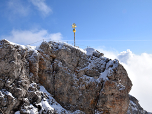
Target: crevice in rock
53,74
98,95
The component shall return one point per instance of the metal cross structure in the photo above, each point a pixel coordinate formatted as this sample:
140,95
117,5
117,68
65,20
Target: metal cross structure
74,30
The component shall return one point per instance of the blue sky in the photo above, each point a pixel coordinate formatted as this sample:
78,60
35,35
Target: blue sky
111,26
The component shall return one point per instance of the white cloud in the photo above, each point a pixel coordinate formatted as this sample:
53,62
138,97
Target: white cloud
139,69
16,7
31,37
56,37
109,54
125,55
40,4
23,8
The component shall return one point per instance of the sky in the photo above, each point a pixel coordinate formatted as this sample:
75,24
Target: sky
120,29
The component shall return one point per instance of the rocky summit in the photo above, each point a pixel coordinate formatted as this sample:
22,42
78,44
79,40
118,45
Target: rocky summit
57,78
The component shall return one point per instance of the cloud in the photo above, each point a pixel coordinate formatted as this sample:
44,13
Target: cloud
139,68
16,7
56,36
125,55
109,54
26,37
40,4
23,8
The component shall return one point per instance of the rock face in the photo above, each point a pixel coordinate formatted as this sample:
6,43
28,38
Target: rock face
134,107
77,83
88,83
17,89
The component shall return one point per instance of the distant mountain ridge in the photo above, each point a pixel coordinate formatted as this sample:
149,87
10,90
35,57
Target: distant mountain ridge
57,78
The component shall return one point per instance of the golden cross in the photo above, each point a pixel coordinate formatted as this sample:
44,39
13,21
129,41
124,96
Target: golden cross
74,30
74,25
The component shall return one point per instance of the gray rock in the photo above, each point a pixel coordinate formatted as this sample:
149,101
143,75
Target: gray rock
134,107
80,83
74,79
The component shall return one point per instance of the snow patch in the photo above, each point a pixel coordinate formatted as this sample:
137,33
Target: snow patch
18,112
53,105
64,45
29,109
104,75
52,102
89,51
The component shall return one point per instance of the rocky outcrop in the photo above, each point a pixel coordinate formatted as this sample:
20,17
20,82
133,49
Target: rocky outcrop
17,89
89,83
134,107
77,83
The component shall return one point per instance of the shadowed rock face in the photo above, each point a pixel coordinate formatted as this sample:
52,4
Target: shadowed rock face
90,84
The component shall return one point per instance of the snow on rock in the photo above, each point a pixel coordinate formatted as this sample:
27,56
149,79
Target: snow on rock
17,112
54,105
52,102
76,81
104,75
29,110
61,45
89,51
46,107
92,51
134,107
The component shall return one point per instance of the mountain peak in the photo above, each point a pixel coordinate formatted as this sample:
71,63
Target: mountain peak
60,78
